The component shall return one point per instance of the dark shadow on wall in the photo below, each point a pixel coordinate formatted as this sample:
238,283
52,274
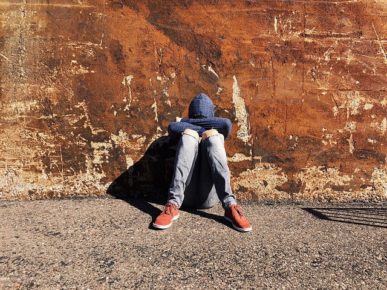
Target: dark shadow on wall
148,179
370,216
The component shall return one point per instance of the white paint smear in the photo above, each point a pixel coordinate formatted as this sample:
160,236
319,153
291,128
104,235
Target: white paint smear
275,24
154,107
126,82
368,106
241,113
383,126
351,144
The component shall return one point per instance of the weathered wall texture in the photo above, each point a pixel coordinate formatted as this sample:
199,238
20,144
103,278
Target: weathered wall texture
88,85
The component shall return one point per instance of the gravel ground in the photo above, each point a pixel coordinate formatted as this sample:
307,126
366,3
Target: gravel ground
108,243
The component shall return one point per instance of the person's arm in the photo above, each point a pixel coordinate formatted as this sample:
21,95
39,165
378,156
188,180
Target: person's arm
175,129
223,125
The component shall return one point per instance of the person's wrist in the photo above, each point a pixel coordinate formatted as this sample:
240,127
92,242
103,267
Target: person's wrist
192,133
208,133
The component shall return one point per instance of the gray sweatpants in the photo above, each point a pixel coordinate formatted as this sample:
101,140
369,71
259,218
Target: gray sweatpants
201,175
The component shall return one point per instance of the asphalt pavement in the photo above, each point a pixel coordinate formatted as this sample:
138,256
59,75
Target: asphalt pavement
109,244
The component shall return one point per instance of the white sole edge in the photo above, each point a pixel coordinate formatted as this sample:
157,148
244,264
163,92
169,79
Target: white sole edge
166,226
236,227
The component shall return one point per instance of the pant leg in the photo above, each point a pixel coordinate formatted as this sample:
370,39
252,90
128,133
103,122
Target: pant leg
206,187
217,160
200,192
186,155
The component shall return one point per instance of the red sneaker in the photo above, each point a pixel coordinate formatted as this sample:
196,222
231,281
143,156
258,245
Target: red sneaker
234,215
166,217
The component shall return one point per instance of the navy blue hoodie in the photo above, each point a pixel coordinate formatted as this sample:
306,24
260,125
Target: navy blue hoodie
201,118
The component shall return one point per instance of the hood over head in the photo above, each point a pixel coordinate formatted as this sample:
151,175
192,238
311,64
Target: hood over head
200,107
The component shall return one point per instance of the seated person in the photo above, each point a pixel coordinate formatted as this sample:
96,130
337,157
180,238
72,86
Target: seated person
202,128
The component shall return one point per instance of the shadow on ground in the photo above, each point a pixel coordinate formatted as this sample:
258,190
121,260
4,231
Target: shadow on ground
375,216
147,181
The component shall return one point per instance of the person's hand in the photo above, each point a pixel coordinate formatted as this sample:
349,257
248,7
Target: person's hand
208,133
178,119
192,133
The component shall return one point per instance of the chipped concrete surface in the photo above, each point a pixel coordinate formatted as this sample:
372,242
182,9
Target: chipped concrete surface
86,88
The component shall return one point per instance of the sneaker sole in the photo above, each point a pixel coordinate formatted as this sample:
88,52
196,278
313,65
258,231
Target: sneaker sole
243,230
164,227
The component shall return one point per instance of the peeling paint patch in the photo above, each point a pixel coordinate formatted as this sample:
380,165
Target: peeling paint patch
158,134
262,180
129,161
21,107
379,180
211,71
166,95
241,113
101,151
351,144
78,69
154,107
238,157
335,111
318,180
319,183
127,82
123,141
350,126
327,138
134,142
275,24
354,101
382,127
18,183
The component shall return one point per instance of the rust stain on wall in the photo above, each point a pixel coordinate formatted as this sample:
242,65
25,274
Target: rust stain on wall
88,86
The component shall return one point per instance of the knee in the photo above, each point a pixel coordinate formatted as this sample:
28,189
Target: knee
208,133
213,141
191,133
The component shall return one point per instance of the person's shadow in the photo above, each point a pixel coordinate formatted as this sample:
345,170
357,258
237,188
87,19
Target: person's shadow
147,181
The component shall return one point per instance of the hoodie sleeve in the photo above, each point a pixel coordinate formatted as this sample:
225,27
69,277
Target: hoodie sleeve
223,125
175,129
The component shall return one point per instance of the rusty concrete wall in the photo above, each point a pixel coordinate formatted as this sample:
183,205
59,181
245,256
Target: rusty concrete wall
88,85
